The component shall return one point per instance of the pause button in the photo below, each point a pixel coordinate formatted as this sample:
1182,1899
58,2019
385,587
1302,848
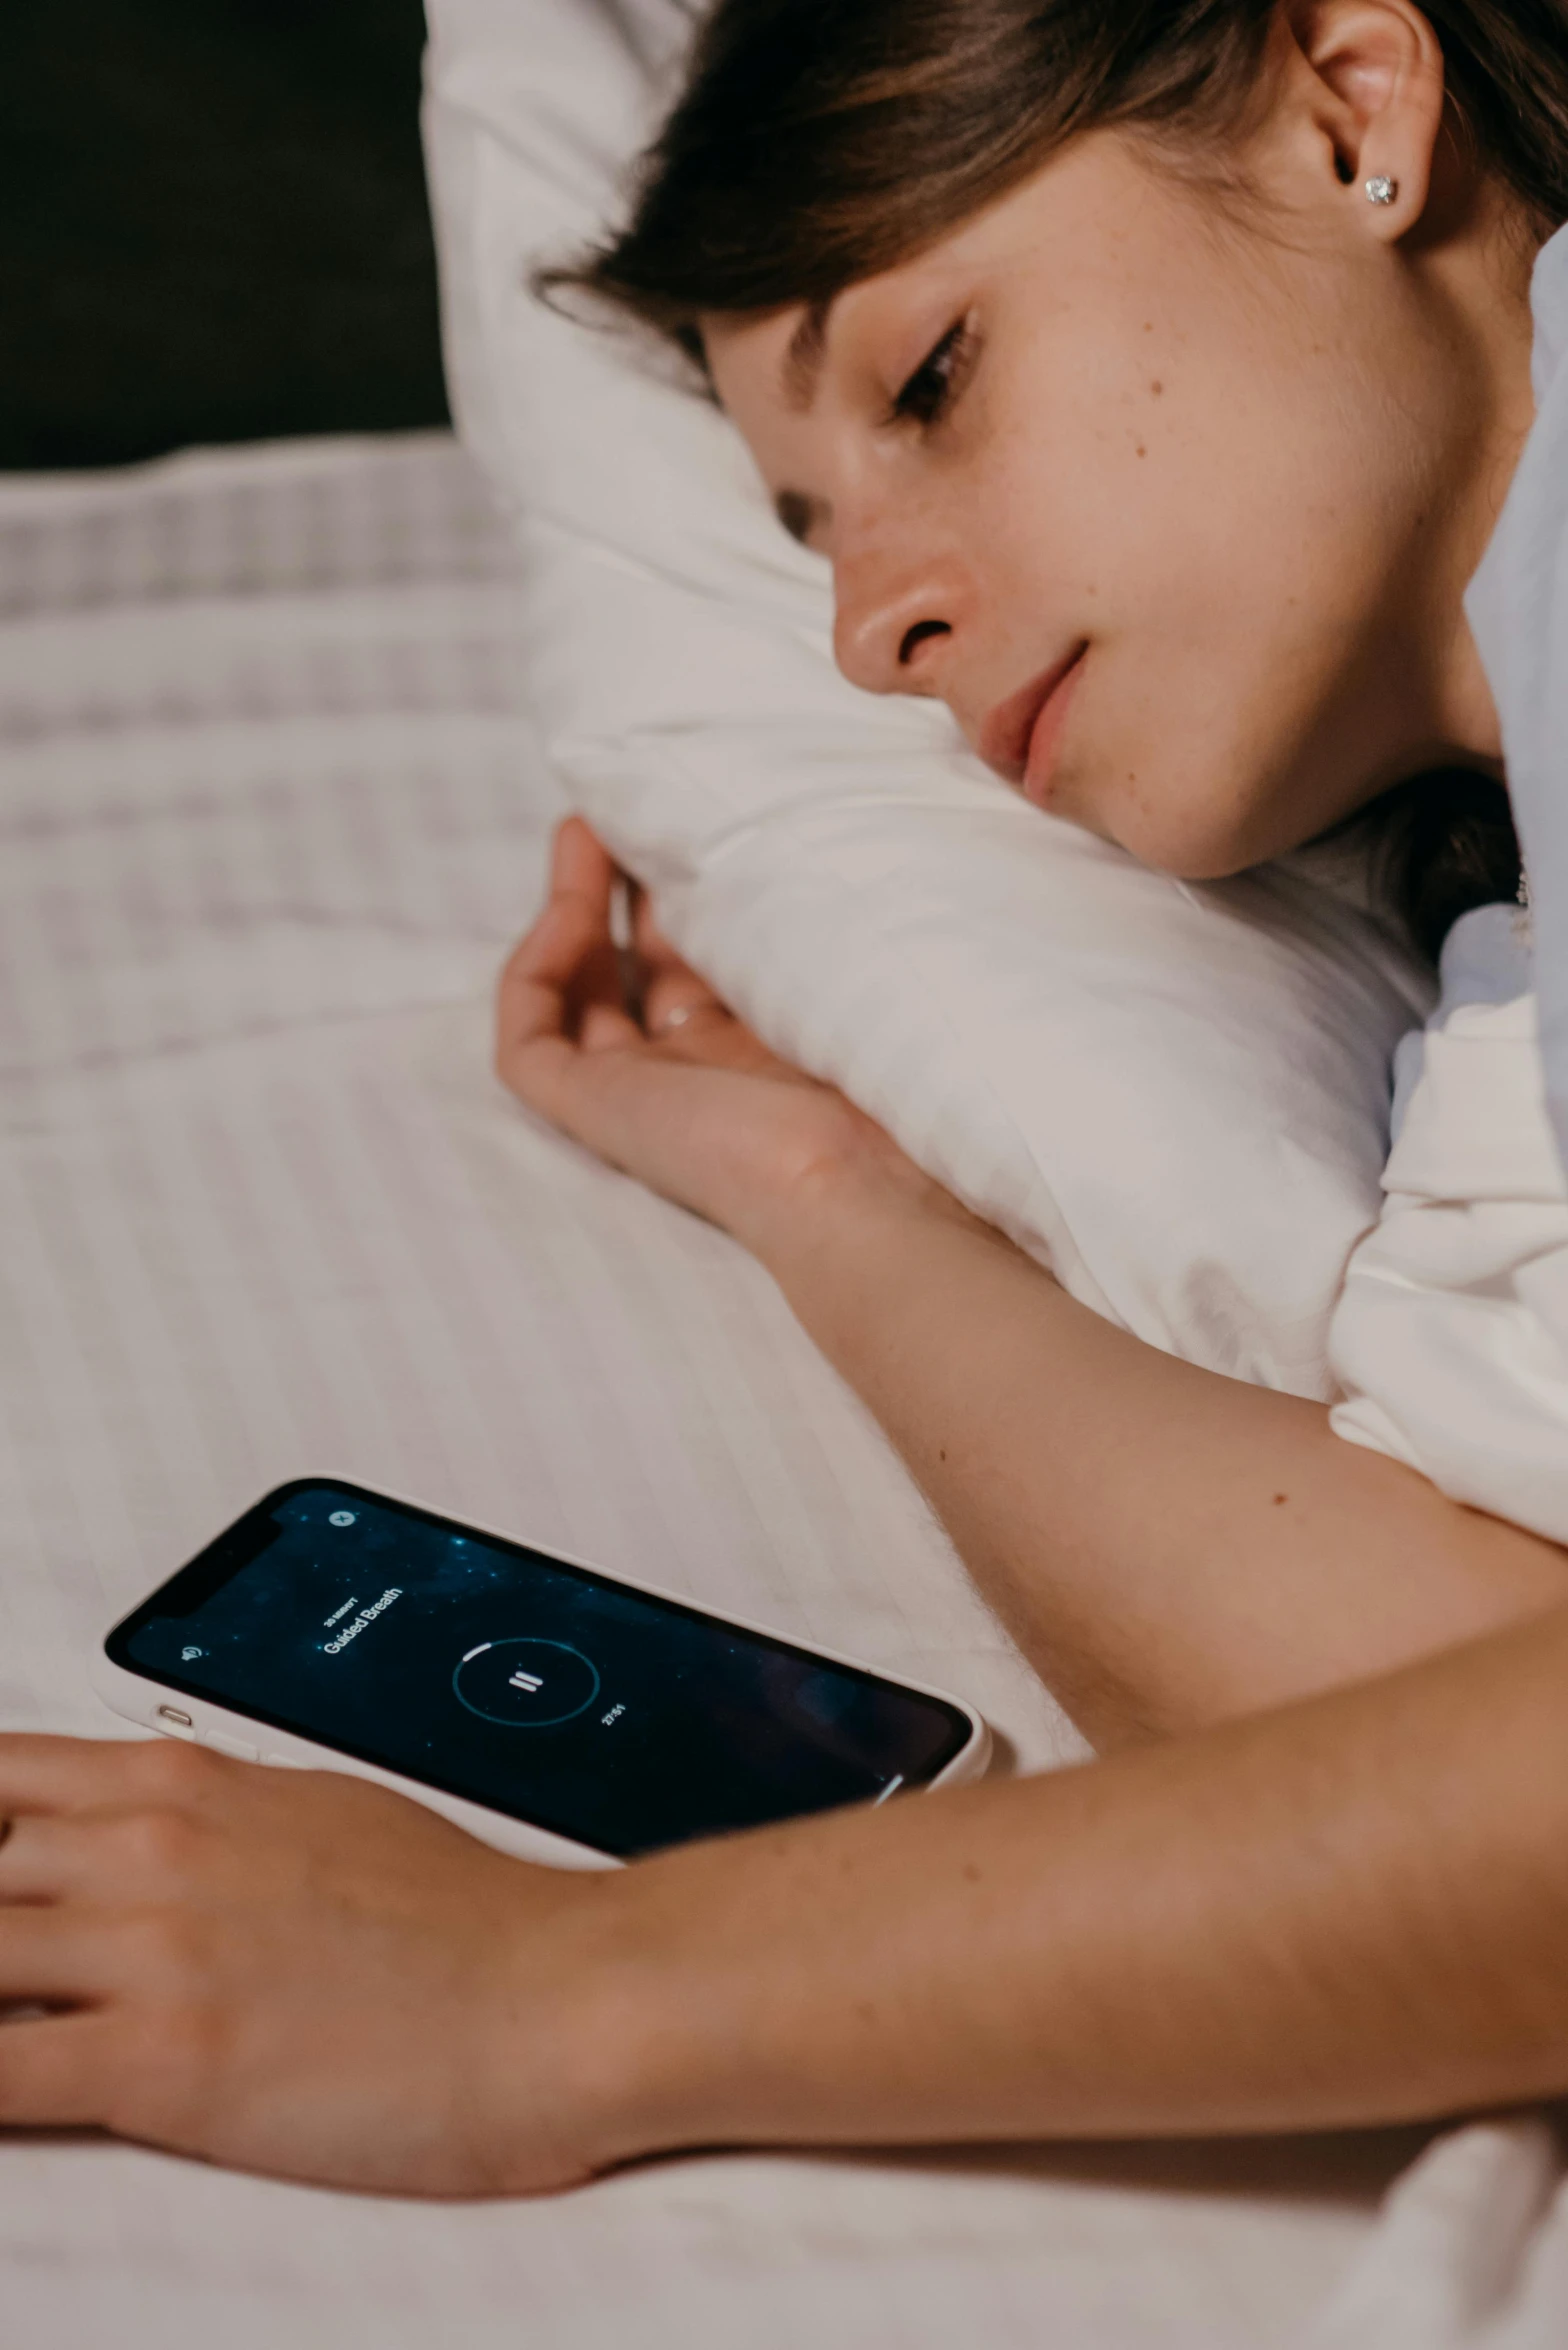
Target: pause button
526,1684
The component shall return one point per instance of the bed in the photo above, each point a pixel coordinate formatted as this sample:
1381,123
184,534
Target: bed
270,813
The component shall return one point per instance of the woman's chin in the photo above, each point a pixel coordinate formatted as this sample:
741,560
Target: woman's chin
1186,848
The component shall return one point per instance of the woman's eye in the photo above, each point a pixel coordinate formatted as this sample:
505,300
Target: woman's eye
929,393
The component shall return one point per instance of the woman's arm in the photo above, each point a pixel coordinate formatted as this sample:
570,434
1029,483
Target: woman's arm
1350,1910
1168,1545
1353,1909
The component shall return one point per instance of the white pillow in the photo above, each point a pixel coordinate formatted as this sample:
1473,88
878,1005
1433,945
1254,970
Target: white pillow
1176,1096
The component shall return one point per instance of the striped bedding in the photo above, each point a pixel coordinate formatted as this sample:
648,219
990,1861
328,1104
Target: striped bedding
270,812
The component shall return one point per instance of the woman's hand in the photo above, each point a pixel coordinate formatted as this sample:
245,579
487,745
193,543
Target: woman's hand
1344,1911
635,1056
293,1972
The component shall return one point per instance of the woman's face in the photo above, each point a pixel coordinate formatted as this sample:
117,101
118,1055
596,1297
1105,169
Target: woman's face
1172,507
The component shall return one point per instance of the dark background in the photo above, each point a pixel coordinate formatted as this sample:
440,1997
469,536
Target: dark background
212,225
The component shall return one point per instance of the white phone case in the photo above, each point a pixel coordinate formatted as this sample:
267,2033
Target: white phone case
176,1713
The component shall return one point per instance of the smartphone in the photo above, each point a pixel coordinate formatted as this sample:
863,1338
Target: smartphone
560,1713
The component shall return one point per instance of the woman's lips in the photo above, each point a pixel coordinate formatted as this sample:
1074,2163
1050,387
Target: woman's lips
1020,736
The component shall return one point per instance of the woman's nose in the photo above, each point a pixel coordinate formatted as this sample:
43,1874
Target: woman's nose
894,624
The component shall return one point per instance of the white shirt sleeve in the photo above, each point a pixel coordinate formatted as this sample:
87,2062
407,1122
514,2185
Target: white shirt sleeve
1450,1339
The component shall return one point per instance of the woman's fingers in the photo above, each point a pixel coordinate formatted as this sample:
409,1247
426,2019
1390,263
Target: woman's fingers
53,2070
568,958
674,995
659,958
131,1853
676,999
581,866
54,1954
563,985
567,981
34,1862
673,1014
576,913
45,1774
630,1079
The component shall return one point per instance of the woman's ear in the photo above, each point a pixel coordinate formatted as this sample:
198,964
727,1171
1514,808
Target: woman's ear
1379,96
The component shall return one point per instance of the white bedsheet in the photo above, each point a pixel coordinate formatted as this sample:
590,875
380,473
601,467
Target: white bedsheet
269,814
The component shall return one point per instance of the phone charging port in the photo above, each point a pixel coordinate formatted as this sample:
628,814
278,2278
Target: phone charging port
175,1719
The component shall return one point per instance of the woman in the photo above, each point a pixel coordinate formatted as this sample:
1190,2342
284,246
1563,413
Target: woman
1156,426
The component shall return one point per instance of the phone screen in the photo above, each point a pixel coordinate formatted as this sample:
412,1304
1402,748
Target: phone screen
540,1689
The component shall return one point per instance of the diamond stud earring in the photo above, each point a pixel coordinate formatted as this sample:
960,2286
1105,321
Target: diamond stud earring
1381,189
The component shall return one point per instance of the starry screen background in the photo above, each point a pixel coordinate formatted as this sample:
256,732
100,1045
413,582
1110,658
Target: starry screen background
708,1728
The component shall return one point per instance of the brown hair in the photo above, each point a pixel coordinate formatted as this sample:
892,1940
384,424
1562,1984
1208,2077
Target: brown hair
818,142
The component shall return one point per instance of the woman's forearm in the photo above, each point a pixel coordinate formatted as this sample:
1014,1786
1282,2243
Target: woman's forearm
1170,1546
1352,1910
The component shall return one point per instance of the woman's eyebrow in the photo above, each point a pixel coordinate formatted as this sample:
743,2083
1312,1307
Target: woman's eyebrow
804,356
